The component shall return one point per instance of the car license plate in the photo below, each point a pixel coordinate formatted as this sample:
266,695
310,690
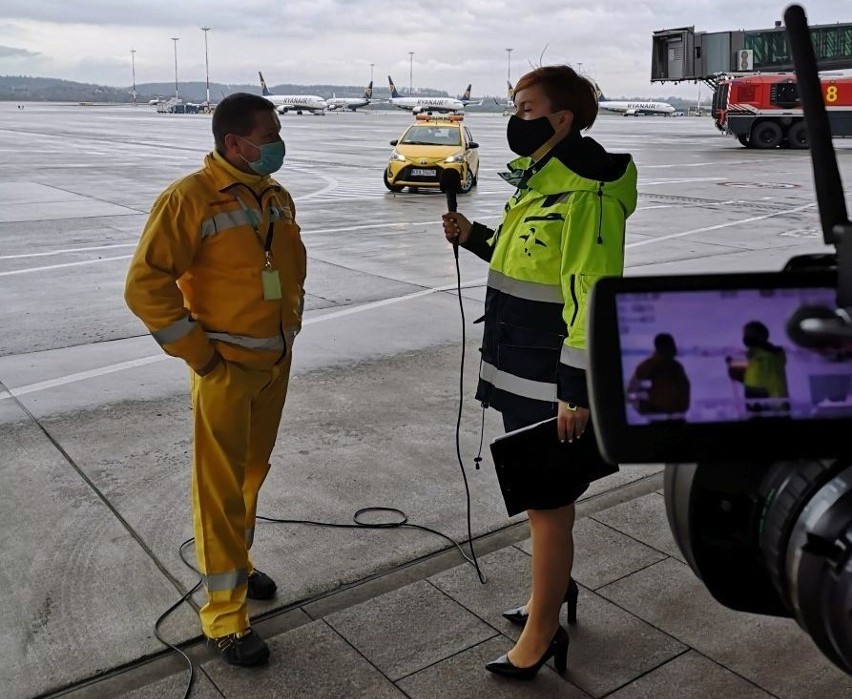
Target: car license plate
421,172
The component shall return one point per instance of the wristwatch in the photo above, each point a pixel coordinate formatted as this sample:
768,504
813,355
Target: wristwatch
571,407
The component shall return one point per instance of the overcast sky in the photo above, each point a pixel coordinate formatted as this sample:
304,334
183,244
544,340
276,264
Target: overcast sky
455,42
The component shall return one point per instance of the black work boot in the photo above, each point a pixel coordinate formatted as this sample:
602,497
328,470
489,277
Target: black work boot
244,649
260,586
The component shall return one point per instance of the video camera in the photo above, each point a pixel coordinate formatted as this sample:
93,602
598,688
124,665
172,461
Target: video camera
742,385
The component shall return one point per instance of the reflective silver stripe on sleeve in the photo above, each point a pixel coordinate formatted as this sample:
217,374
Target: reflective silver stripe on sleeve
253,343
531,291
174,332
537,390
573,357
228,219
222,582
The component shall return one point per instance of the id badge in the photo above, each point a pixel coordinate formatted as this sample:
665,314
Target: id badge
271,284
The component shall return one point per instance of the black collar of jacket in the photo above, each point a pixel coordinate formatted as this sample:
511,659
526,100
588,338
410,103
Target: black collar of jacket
563,151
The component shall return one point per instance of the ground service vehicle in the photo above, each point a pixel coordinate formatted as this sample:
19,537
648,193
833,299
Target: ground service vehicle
764,111
428,147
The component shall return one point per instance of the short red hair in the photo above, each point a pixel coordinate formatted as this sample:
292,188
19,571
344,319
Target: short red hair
565,89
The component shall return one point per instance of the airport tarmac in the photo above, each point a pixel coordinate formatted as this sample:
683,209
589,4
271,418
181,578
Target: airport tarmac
95,438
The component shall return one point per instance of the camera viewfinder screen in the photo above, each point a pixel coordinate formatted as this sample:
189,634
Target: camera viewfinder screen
725,356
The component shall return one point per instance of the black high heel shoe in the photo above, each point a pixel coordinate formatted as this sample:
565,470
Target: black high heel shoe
558,650
519,615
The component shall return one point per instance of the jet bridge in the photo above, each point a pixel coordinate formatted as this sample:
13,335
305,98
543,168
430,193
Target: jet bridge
684,54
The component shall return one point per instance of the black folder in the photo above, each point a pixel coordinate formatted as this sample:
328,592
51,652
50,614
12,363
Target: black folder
537,471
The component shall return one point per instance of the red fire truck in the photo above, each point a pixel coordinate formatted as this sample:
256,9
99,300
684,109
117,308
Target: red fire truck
763,110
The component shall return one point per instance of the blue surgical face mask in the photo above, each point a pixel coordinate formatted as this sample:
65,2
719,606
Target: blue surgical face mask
271,157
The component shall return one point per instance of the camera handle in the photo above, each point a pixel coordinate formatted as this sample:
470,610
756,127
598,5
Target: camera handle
821,327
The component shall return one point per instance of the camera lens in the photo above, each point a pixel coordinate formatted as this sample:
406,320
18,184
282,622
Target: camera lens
771,539
806,538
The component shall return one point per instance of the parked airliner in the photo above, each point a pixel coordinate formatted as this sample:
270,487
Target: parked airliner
466,100
418,105
509,104
352,103
293,103
636,108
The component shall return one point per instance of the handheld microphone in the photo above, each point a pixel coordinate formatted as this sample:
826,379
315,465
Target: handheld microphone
450,185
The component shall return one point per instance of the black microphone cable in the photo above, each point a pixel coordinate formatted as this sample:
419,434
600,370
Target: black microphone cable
171,609
402,520
478,458
450,184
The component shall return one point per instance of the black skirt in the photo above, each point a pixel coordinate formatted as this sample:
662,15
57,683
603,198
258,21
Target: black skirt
568,487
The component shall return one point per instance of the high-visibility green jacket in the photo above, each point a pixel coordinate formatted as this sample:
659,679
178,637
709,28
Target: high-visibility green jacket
195,279
560,233
766,372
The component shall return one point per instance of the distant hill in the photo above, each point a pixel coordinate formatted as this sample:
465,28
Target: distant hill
27,89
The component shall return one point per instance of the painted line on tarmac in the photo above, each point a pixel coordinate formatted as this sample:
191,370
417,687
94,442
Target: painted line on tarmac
331,183
400,225
67,264
67,250
683,180
132,364
717,162
686,204
82,376
729,224
367,226
387,302
112,368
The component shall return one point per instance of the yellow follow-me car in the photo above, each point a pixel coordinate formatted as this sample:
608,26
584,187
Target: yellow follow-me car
427,148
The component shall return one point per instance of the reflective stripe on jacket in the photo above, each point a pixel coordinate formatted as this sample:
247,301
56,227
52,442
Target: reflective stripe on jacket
195,278
560,233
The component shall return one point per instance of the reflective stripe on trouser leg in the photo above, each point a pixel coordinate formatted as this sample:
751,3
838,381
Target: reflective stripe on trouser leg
265,418
221,410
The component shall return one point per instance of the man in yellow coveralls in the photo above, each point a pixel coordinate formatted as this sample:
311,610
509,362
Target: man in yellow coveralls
218,279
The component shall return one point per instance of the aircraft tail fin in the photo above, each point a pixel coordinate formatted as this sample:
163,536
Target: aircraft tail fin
263,89
394,93
466,96
509,104
368,93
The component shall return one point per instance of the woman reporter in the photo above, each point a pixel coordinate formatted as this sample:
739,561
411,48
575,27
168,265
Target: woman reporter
562,229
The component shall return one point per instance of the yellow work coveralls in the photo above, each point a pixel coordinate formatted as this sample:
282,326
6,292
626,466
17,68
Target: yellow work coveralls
196,282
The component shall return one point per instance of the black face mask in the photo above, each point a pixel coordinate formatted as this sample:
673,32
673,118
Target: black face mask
526,136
